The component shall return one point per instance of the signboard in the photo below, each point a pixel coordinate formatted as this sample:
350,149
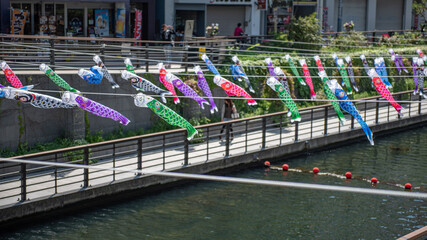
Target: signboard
138,24
101,22
189,28
19,17
120,23
202,51
325,18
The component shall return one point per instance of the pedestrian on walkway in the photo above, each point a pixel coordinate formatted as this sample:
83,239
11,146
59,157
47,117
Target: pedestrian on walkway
228,113
168,34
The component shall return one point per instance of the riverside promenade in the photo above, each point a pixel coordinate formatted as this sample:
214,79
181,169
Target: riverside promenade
28,189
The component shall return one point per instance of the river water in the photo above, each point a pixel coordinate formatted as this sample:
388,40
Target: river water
211,210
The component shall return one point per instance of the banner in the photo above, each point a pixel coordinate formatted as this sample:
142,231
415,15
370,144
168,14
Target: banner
120,23
189,27
101,22
19,17
138,24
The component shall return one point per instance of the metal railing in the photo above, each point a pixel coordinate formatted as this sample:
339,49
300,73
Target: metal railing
170,150
75,52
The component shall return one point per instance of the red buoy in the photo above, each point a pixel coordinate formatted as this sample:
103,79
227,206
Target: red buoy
348,175
285,167
408,186
266,164
315,170
374,180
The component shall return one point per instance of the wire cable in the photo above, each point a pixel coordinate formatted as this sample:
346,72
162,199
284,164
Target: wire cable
311,186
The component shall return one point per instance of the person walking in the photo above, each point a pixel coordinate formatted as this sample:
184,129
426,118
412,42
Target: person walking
238,31
228,113
168,34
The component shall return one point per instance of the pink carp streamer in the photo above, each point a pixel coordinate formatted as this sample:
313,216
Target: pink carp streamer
168,85
308,78
10,76
382,89
233,90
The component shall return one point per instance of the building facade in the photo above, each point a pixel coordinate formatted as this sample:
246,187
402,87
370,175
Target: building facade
104,18
367,15
227,13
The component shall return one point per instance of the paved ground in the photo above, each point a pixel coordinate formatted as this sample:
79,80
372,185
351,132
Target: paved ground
43,183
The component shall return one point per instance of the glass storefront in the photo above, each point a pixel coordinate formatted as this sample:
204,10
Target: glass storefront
67,18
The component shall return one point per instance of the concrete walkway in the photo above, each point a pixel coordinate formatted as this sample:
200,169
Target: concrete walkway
42,184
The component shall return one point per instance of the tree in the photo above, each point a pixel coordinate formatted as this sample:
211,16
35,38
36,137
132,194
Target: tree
419,7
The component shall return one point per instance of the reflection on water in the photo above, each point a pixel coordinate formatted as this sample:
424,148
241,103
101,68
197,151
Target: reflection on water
210,210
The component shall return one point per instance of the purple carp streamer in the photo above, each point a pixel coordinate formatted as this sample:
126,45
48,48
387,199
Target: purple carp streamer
398,61
414,72
365,64
144,85
104,70
277,73
94,76
350,72
94,107
35,99
186,90
203,84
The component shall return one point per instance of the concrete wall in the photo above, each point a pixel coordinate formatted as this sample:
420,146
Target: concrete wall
45,125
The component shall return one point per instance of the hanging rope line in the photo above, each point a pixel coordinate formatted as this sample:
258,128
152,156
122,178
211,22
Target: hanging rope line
239,98
394,193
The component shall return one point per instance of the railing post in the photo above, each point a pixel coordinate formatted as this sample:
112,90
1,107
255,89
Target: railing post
102,52
56,174
114,161
147,64
227,140
23,179
52,54
86,171
325,127
311,124
410,103
139,155
366,106
419,104
186,56
296,131
281,119
246,135
377,110
207,144
186,143
352,123
164,152
264,128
